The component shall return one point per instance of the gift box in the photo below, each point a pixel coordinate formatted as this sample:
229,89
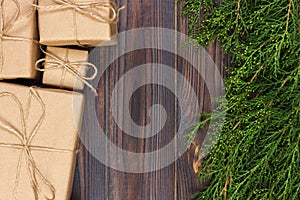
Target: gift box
18,51
38,141
77,22
66,68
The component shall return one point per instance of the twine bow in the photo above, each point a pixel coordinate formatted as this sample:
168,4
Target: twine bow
4,29
32,169
68,66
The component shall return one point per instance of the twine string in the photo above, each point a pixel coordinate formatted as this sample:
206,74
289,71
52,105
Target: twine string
64,73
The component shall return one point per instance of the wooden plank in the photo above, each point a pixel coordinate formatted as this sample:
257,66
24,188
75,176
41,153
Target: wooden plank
91,173
154,185
187,186
93,180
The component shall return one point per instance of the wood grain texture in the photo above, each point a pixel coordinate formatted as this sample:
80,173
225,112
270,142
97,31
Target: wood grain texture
95,181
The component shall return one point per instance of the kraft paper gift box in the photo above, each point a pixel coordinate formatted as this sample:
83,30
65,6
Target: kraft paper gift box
75,23
38,142
18,27
66,68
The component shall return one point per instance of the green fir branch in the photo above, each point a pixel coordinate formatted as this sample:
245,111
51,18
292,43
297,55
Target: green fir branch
257,156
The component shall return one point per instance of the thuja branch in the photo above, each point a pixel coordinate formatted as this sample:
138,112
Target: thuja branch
257,156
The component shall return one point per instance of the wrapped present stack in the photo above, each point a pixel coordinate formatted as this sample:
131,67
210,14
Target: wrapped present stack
35,161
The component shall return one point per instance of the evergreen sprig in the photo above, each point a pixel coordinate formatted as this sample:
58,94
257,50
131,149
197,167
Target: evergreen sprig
257,156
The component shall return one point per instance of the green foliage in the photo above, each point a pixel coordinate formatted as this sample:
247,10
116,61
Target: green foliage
257,156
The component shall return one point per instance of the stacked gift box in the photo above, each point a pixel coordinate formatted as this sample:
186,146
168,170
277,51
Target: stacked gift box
39,127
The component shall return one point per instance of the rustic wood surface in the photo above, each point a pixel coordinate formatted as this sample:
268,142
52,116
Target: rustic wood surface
95,181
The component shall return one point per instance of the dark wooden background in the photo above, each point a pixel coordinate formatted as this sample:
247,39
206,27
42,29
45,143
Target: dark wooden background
95,181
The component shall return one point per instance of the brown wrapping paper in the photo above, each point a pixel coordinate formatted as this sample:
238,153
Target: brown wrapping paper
18,53
61,24
57,74
38,153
